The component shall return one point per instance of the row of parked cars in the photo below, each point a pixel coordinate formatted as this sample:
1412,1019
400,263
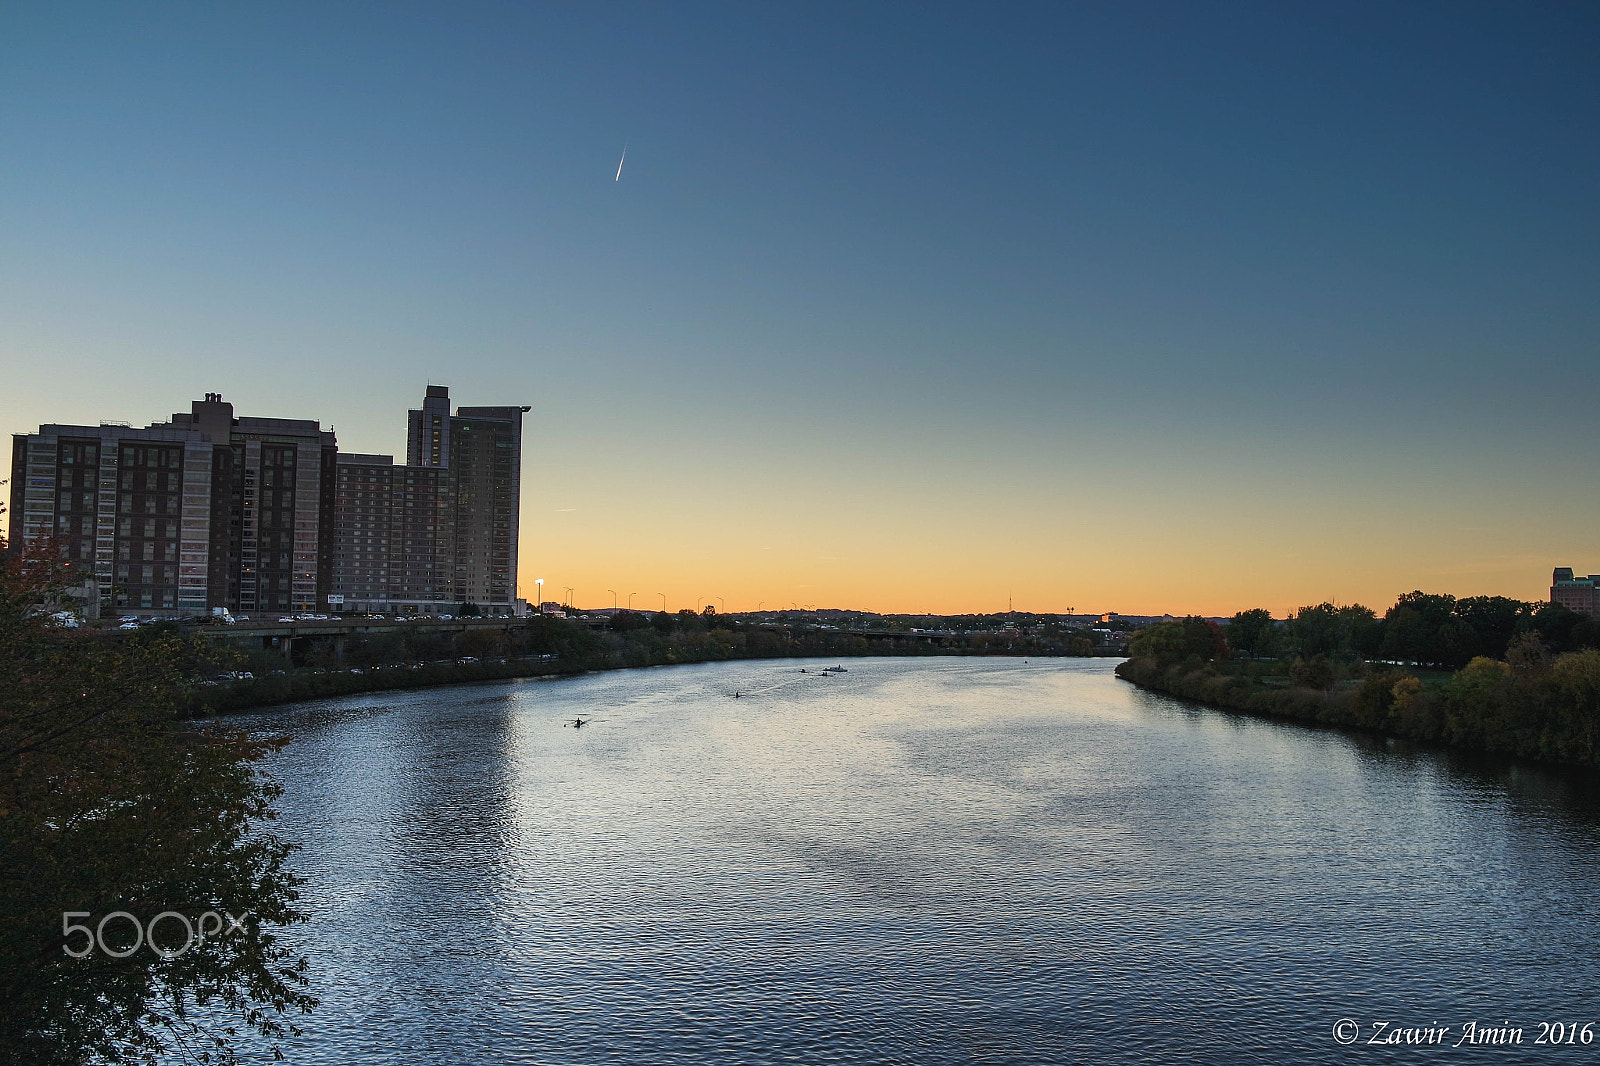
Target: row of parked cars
133,621
378,617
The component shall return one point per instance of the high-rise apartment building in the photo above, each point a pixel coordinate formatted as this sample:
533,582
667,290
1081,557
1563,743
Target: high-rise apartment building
204,511
130,508
441,531
273,483
393,535
264,515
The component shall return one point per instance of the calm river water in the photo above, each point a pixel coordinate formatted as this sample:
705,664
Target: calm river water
919,861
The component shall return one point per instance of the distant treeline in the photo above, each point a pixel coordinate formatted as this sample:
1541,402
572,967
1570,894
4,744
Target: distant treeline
406,658
1421,628
1486,672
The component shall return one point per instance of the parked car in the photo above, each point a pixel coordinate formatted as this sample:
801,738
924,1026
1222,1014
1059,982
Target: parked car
129,625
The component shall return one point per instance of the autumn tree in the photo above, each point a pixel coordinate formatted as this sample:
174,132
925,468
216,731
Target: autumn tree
111,801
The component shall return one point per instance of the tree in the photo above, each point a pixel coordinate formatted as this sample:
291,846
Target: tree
625,621
111,802
1412,630
1175,642
1493,620
1315,672
1336,633
1252,632
1555,623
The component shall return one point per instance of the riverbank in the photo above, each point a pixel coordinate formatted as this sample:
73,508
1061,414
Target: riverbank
1547,710
400,661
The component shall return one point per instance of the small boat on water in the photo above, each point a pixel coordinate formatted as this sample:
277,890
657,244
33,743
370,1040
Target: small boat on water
834,670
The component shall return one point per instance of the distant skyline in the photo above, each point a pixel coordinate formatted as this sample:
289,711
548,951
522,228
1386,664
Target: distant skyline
1133,307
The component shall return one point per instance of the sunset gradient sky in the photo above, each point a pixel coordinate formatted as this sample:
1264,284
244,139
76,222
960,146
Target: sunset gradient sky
1137,307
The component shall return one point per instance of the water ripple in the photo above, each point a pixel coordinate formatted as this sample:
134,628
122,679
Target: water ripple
921,861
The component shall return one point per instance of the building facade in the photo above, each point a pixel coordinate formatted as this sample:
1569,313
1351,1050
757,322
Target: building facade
441,531
130,509
1581,594
264,515
181,517
273,497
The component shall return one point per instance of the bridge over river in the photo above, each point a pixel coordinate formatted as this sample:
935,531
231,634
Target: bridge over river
299,635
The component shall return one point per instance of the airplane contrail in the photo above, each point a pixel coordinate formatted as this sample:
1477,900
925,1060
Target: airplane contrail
621,161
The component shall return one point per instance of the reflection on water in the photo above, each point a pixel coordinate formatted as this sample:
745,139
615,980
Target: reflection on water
919,861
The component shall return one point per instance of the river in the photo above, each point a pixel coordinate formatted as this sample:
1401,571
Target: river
921,860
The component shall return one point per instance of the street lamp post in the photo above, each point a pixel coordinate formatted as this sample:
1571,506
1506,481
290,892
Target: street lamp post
724,601
631,595
663,596
613,600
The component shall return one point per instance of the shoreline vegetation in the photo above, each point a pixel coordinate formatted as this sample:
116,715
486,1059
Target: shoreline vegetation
548,646
1485,674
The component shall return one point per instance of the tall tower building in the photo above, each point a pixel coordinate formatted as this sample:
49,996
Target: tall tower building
486,468
441,531
428,430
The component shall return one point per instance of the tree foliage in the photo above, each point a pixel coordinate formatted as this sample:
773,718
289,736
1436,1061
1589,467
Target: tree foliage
1194,638
1425,629
110,801
1338,634
1253,632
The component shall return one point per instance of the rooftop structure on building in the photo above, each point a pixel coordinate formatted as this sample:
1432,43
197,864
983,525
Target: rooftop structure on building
1581,594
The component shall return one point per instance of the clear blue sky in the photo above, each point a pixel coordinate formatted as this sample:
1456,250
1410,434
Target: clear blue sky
1124,306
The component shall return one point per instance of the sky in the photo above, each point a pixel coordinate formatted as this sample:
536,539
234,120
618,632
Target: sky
1127,307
